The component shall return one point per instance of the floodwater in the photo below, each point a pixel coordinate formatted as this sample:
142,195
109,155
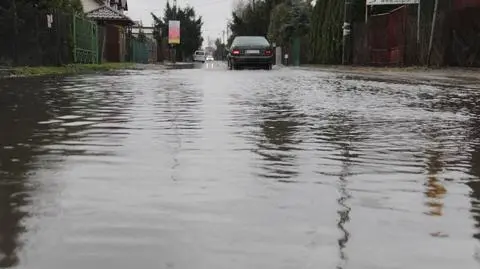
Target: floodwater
210,168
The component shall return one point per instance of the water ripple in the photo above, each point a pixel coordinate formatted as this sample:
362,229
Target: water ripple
216,169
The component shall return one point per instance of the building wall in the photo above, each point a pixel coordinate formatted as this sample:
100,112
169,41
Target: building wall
118,5
89,5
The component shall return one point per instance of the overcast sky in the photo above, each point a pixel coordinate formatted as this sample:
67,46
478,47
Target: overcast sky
215,13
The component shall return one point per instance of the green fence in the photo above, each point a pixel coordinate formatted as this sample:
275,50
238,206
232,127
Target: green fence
34,37
296,51
139,51
85,41
101,39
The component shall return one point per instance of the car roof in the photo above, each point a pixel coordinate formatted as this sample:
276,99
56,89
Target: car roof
249,36
254,39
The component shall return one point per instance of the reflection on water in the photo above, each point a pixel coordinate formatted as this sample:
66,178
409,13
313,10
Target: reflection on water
468,103
342,132
474,183
280,169
23,104
42,122
276,144
177,111
435,191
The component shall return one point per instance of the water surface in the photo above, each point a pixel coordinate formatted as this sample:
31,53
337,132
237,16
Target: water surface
210,168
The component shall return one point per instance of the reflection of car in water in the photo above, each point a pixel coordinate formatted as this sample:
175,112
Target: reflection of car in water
209,58
250,51
199,56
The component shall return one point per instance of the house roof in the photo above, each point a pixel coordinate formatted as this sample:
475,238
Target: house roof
105,13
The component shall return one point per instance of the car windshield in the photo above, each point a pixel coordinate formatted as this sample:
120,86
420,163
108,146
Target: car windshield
250,41
199,53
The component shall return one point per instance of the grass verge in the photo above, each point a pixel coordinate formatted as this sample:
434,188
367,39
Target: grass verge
372,68
27,71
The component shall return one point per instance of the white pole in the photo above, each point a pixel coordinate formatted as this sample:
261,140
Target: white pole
432,33
419,14
366,13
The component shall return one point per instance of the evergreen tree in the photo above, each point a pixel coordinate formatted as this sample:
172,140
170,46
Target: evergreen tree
190,29
253,18
18,19
44,5
288,20
220,49
325,36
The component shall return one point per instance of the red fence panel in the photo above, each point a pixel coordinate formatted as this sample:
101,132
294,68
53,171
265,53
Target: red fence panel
464,38
387,37
461,4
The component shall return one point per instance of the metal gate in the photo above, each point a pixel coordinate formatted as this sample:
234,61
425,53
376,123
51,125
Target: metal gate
85,41
296,51
139,51
464,49
387,37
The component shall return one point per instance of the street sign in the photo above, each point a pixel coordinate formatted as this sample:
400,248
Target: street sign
391,2
173,32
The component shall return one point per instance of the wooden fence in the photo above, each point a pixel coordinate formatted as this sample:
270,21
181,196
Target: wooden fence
390,39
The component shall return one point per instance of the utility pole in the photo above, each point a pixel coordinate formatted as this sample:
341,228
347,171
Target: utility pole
347,33
226,41
15,31
419,17
174,60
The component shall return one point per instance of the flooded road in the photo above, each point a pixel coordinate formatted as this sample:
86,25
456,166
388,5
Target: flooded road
210,168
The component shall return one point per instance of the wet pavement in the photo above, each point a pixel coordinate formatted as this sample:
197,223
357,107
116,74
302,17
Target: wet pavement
210,168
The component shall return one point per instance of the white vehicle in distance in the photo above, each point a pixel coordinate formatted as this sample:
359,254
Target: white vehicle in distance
209,58
199,56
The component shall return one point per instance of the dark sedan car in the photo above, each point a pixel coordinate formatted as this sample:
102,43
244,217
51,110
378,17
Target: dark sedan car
250,51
